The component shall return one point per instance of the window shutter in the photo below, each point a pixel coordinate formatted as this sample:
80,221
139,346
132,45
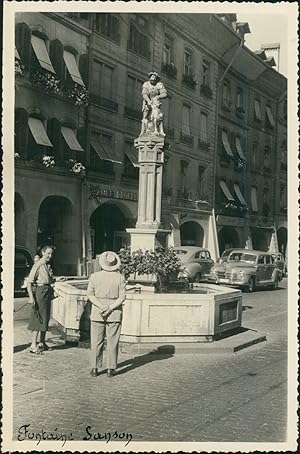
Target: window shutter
84,69
57,57
54,134
23,43
21,132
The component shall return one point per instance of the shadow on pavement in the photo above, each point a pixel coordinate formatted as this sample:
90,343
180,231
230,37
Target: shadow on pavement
20,348
161,353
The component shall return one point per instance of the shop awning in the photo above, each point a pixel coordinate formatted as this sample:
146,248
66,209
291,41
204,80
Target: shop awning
257,110
226,143
17,55
226,191
239,149
71,139
254,199
133,156
270,116
239,194
40,50
38,131
72,67
102,151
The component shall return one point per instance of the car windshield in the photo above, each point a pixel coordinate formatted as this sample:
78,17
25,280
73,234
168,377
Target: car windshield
241,257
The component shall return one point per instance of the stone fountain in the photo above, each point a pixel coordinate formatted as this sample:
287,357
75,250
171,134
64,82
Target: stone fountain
154,319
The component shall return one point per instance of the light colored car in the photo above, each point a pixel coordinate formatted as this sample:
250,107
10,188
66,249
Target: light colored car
246,269
196,262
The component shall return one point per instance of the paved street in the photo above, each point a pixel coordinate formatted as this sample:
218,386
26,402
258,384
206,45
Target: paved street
186,397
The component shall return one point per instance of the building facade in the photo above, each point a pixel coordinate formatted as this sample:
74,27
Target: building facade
78,103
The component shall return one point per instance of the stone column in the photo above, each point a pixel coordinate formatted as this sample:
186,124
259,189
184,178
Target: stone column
148,232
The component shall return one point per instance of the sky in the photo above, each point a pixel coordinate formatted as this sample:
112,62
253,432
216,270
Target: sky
266,29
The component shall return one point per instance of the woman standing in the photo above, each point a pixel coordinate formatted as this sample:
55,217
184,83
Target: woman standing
41,277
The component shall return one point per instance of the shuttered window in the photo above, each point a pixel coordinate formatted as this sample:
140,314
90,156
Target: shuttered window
41,53
239,149
226,191
72,67
226,144
71,139
38,132
239,194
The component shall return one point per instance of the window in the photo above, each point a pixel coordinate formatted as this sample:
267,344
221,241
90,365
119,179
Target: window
267,157
254,199
133,97
102,79
269,117
39,142
239,98
183,176
201,181
254,155
187,63
283,197
203,127
226,94
266,202
205,74
167,50
166,111
261,260
102,154
139,42
108,25
186,120
283,155
41,53
226,144
72,68
257,110
72,146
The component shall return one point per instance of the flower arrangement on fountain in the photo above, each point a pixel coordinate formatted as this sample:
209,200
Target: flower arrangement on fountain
45,80
76,167
162,263
48,161
77,93
18,67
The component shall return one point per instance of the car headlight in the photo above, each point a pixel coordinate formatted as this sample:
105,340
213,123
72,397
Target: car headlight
241,273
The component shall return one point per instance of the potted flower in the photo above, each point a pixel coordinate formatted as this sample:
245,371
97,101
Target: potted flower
45,80
77,93
48,161
76,167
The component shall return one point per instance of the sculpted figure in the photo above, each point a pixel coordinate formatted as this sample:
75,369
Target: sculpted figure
153,90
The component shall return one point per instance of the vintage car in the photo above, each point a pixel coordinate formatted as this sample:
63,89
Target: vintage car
196,263
246,269
280,263
23,264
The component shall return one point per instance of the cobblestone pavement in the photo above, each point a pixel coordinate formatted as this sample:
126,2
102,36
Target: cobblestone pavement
184,397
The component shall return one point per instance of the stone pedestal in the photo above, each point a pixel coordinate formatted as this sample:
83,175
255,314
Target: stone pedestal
148,232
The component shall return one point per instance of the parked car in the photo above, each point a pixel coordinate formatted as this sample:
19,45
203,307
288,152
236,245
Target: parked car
196,262
246,269
23,264
280,263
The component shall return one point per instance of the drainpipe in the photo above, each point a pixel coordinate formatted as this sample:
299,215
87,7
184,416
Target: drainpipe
218,88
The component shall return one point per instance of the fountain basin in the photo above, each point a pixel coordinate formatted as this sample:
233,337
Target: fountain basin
201,315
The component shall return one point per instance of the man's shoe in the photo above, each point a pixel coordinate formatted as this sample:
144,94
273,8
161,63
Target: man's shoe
94,373
110,372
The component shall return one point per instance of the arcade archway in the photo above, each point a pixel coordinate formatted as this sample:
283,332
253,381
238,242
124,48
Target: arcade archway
228,238
191,234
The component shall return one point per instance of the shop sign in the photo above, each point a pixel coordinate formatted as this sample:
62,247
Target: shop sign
227,220
97,193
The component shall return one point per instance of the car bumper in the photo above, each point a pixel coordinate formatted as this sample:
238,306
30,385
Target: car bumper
228,281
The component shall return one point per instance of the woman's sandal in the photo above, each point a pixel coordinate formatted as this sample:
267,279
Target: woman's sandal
35,351
45,348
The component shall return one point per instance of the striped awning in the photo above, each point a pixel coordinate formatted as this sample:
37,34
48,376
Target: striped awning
239,194
226,191
72,67
132,154
257,110
226,144
254,199
71,139
102,151
239,149
40,50
38,131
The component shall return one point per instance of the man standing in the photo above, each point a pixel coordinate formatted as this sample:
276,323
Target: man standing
106,291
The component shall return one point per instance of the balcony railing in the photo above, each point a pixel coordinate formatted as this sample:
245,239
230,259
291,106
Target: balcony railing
203,143
206,91
170,70
189,81
186,138
104,102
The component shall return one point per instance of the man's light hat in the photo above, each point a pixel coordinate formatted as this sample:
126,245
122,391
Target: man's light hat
109,261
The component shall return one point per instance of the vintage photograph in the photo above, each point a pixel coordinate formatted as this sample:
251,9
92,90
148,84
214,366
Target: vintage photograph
150,226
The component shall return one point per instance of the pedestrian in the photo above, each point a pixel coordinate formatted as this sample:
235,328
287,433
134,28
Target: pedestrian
40,291
106,291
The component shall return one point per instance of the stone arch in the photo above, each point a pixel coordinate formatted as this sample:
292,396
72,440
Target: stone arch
228,237
191,234
108,224
57,226
20,224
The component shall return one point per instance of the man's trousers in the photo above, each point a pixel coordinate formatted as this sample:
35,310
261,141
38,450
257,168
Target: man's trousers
112,330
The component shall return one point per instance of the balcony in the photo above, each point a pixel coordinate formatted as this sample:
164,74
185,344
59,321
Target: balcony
189,81
206,91
226,105
132,113
186,138
203,143
104,102
170,70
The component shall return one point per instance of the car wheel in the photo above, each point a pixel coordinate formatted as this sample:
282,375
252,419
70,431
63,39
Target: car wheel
197,277
251,285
